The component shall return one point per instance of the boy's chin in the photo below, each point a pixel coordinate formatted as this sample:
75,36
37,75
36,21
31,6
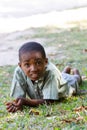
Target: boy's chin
34,78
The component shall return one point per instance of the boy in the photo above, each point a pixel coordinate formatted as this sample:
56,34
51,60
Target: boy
36,77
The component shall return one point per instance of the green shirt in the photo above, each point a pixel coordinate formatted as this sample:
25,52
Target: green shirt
50,86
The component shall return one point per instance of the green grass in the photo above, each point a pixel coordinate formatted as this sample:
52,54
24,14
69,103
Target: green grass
70,44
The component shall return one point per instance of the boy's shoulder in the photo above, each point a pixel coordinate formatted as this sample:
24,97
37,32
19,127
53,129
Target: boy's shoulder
19,74
52,69
19,71
51,66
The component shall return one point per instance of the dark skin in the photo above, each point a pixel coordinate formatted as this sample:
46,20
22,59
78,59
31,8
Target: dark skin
18,104
33,64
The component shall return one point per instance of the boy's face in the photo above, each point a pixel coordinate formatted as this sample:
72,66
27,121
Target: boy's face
33,64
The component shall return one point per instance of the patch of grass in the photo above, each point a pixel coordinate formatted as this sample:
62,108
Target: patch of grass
70,43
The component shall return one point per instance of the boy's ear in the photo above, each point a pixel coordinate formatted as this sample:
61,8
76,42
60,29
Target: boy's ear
19,64
46,61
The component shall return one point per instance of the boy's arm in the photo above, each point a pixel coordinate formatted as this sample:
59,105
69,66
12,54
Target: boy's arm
36,102
20,102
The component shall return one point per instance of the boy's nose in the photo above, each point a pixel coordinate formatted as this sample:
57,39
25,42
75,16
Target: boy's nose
33,68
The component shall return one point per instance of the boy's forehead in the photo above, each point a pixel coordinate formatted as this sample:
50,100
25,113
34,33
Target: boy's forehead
31,52
31,55
32,61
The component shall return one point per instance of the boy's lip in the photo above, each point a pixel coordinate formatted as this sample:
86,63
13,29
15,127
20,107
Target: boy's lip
34,76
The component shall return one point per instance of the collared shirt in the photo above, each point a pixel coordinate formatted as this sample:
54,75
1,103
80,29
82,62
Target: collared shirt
51,86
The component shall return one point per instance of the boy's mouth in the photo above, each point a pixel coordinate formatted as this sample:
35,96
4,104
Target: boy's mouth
35,76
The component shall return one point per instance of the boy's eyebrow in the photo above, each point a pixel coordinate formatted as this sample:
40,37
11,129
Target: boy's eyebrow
34,59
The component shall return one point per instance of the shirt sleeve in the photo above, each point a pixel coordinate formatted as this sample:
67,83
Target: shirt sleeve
18,87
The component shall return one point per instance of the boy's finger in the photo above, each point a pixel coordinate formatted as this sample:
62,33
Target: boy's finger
9,106
8,103
17,104
11,109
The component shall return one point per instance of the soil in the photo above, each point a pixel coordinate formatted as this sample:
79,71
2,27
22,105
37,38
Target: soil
10,44
11,41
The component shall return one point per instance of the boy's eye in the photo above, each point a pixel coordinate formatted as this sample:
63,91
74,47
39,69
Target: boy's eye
38,62
26,64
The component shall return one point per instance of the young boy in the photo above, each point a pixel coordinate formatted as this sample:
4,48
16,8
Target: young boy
36,77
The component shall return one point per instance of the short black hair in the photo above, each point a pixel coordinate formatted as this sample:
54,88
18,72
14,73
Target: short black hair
32,46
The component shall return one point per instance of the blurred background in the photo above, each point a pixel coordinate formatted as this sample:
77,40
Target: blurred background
22,14
24,20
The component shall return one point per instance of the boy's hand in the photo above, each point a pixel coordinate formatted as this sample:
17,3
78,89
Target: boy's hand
15,105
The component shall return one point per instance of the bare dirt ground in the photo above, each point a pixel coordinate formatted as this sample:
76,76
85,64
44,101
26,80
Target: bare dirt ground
10,42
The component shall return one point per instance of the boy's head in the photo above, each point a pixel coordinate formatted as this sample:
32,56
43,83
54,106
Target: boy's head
32,60
31,46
